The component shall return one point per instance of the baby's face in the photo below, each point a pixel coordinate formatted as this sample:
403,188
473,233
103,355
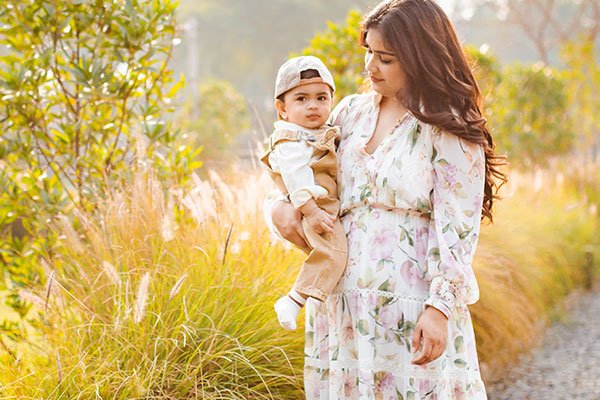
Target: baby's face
307,105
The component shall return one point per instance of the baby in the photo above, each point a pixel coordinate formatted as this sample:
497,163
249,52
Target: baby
302,162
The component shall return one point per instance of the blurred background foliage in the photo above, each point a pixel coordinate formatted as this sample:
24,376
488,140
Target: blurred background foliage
339,46
214,122
536,63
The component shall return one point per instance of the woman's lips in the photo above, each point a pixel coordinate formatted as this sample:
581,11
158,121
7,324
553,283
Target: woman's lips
375,80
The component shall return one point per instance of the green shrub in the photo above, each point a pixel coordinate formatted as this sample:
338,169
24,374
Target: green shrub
84,88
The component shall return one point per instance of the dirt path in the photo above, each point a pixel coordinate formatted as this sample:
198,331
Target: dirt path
567,364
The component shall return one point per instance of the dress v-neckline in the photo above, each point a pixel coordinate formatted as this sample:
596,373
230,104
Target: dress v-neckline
399,122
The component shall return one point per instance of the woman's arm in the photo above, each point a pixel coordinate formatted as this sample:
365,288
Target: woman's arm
459,177
459,174
284,220
287,219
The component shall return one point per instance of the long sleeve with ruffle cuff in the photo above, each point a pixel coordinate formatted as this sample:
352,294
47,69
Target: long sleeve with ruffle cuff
457,196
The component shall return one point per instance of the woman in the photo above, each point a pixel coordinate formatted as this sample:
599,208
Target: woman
416,175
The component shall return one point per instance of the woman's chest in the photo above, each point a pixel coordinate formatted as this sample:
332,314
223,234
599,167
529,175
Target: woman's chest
400,162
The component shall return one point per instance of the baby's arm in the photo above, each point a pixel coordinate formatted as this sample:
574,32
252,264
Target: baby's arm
293,159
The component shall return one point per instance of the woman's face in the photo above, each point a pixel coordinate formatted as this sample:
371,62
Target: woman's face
386,74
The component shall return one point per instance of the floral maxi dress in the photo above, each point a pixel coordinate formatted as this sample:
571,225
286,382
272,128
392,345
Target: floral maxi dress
411,211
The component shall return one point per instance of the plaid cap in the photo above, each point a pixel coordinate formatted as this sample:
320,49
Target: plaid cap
288,76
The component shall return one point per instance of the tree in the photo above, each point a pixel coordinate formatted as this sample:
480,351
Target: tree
526,107
84,90
338,47
582,78
487,71
547,24
528,114
216,120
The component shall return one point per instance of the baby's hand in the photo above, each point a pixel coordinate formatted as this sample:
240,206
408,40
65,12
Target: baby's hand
320,220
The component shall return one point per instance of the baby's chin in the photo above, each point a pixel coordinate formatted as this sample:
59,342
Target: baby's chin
312,124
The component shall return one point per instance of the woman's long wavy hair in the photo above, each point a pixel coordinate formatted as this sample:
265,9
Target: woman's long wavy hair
440,87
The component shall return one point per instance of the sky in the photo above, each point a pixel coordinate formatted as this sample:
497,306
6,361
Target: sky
445,4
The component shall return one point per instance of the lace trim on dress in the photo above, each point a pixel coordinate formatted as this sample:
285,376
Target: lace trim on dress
395,368
391,295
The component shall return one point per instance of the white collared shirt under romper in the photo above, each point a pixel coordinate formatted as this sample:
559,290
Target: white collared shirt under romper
292,160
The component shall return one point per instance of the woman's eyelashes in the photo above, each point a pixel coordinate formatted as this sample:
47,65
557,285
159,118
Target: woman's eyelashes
370,53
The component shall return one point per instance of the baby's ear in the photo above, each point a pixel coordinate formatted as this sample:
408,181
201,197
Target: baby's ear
280,107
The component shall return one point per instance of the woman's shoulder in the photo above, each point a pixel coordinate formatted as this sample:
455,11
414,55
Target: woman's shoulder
351,105
433,131
359,100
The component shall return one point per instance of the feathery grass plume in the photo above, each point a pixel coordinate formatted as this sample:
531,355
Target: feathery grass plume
111,273
200,200
59,367
235,247
226,192
177,287
218,338
141,299
141,145
169,226
69,233
49,289
126,307
32,298
244,236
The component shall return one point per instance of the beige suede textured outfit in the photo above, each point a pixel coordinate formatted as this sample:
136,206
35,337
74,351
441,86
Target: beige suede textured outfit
328,253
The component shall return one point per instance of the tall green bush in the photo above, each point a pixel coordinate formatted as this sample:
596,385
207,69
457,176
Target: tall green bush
84,88
582,80
528,114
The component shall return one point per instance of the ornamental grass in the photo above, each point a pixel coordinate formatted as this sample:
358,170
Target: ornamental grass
168,293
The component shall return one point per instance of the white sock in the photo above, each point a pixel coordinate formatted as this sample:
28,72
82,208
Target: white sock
287,309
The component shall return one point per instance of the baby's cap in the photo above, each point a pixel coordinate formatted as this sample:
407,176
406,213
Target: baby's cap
288,76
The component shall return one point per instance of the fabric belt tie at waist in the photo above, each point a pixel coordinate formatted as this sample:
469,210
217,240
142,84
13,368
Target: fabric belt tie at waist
400,211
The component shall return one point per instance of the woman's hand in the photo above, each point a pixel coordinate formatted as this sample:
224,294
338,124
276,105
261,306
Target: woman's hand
430,336
288,221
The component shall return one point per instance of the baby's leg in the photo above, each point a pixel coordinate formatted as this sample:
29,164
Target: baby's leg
287,309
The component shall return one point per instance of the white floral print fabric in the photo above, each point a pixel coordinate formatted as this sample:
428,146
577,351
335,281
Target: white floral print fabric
411,211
